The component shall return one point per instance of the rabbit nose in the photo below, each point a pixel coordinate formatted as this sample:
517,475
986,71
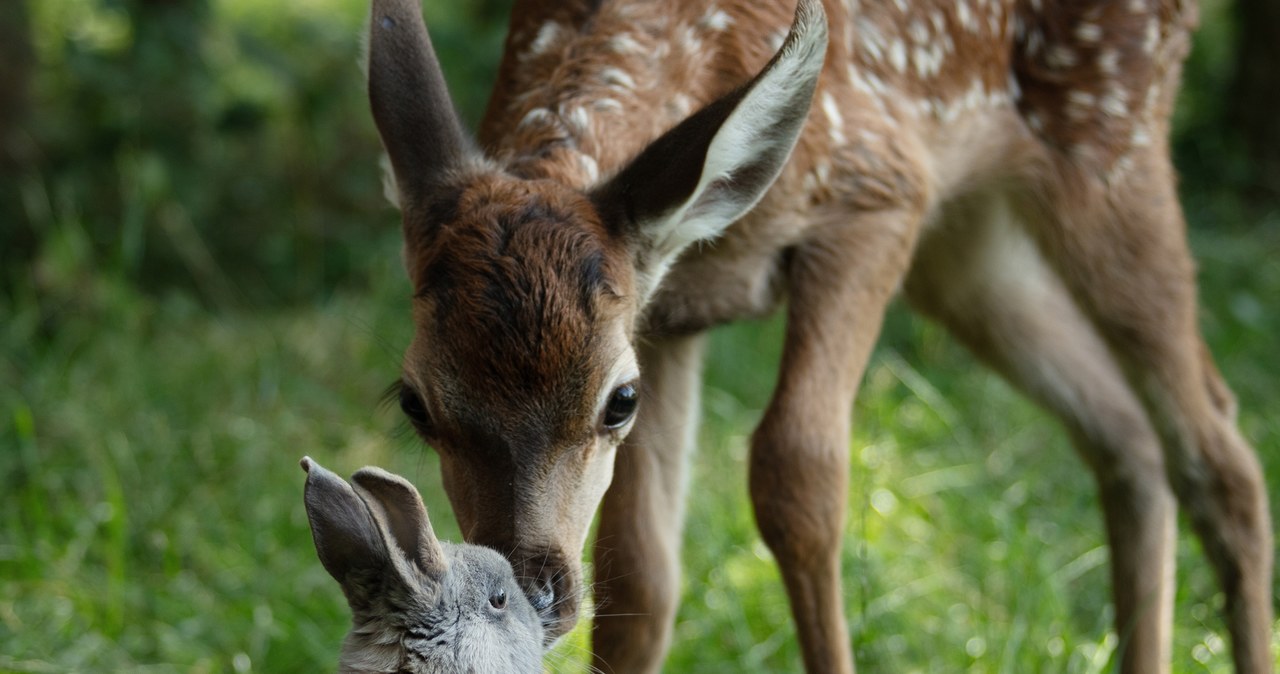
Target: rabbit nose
550,584
544,595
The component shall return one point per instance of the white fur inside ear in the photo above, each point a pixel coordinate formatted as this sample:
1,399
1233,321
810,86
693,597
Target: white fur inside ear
761,131
390,190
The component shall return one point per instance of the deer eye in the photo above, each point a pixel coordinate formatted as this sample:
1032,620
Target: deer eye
411,405
622,406
498,599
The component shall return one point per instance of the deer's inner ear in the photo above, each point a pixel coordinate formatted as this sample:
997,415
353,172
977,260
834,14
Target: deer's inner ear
711,169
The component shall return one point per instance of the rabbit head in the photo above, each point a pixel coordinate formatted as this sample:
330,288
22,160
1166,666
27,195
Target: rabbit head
418,605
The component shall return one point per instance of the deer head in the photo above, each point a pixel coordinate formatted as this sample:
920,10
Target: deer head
526,293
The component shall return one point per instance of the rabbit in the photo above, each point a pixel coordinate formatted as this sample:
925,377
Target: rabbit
418,605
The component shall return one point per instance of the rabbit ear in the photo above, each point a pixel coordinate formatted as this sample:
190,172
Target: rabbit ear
397,504
347,538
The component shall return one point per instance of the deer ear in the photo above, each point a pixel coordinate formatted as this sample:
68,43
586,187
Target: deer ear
708,171
410,101
398,506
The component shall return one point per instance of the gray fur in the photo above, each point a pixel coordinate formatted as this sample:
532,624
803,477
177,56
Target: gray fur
418,605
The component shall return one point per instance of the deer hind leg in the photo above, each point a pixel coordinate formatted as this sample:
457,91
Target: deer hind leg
838,290
983,276
1125,252
637,549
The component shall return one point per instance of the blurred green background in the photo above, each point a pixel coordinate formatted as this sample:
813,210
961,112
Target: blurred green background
199,283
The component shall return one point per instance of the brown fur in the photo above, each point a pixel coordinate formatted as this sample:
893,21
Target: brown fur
1004,162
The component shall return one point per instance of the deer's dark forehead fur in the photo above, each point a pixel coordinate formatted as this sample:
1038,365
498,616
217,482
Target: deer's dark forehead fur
512,277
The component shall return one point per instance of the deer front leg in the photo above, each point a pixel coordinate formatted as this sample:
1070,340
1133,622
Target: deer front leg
637,549
800,453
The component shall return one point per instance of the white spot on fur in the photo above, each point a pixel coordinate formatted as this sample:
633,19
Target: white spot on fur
966,16
690,41
1109,61
617,78
872,40
939,22
716,21
1153,96
928,60
863,82
919,32
548,35
1079,103
536,116
822,173
877,85
898,56
680,105
1080,98
810,183
920,57
776,38
606,105
1113,104
578,119
834,118
590,169
1152,39
624,44
1121,168
1060,56
1089,32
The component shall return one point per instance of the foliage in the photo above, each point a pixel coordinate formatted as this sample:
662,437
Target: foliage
221,147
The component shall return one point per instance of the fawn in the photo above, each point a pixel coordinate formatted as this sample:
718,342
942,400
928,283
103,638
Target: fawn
1002,164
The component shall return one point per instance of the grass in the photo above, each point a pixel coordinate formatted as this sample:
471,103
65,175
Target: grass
151,515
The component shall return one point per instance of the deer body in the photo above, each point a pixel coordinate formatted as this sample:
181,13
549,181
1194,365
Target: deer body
1002,164
919,104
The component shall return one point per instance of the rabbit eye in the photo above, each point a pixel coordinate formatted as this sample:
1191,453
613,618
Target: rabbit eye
498,599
